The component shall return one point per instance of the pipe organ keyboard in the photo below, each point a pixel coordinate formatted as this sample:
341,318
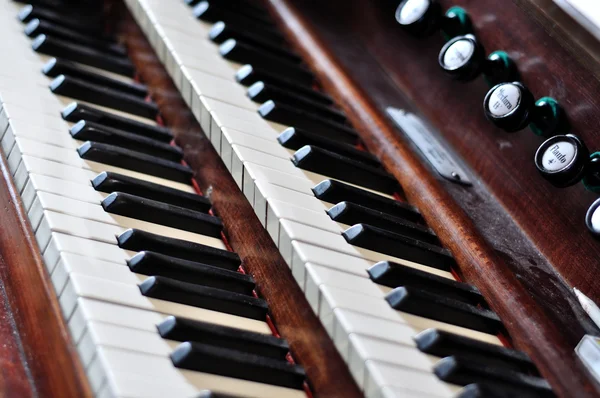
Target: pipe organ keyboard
156,301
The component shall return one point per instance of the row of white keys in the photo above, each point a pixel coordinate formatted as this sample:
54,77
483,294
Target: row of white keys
299,226
78,239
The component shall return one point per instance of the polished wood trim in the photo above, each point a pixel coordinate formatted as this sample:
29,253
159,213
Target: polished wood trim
531,328
51,361
573,37
294,319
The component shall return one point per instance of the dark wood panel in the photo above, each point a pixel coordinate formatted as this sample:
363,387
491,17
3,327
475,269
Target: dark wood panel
38,359
511,233
291,313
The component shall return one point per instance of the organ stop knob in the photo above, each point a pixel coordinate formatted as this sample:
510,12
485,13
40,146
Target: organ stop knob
463,58
423,17
563,160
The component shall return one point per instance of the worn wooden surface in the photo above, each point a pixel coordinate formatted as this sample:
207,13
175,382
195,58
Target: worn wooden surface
37,356
522,242
294,319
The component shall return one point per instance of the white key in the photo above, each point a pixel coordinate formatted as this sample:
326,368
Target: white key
364,348
160,372
103,334
267,146
28,118
74,263
57,186
87,310
44,135
61,243
128,295
318,275
254,172
278,210
226,90
382,374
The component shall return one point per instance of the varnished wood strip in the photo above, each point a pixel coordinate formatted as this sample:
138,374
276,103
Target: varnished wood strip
311,347
15,379
531,329
50,355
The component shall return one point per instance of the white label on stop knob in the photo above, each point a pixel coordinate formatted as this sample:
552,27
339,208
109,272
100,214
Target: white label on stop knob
595,221
504,100
412,11
558,156
458,54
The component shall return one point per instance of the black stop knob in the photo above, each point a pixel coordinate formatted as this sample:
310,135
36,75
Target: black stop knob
423,17
592,218
419,17
563,160
509,106
462,58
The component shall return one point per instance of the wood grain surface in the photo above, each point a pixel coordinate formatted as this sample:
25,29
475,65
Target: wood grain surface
522,242
293,317
37,356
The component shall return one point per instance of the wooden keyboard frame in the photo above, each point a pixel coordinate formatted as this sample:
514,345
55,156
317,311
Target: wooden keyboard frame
39,358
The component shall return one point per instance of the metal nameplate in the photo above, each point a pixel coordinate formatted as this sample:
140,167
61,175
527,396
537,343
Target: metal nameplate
421,135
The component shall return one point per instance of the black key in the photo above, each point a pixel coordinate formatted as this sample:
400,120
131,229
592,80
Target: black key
136,240
168,215
432,306
44,3
204,297
247,75
111,182
400,246
221,31
395,275
57,66
443,344
294,138
210,394
331,164
65,49
154,264
244,53
261,92
489,390
180,329
135,161
351,214
333,191
75,112
242,3
279,112
37,27
90,23
459,371
103,96
237,364
243,17
89,131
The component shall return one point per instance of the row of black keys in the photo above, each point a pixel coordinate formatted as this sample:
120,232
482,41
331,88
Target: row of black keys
194,221
453,300
144,148
120,203
206,279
